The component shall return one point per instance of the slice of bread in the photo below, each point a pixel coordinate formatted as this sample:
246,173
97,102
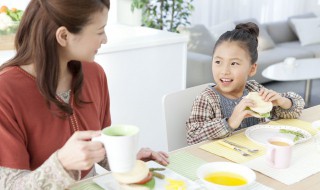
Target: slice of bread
261,106
139,172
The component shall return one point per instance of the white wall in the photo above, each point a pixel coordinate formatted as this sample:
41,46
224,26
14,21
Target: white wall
212,12
126,16
19,4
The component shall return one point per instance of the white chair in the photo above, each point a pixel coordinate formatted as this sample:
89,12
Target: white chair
177,109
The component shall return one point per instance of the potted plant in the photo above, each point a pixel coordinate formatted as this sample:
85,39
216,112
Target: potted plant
164,14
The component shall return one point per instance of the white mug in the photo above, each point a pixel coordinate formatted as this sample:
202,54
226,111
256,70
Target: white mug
290,61
121,144
279,152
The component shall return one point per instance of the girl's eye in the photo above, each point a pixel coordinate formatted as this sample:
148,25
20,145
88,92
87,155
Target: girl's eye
234,63
217,62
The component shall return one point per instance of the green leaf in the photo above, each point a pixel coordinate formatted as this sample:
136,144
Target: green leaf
164,14
151,184
265,115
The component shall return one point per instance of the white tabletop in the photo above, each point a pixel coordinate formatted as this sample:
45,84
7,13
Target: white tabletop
302,69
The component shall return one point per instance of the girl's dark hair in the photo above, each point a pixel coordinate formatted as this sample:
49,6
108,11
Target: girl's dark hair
35,42
247,35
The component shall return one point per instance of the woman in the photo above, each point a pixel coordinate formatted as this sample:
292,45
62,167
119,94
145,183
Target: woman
53,98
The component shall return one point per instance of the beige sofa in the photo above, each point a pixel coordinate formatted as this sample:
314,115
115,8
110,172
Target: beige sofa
277,41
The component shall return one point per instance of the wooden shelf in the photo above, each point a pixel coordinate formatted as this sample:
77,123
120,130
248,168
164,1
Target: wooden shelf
7,42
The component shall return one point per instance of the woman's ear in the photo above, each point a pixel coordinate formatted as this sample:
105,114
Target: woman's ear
253,69
62,35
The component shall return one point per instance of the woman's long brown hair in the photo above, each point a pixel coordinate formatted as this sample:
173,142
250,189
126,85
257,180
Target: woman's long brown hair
36,43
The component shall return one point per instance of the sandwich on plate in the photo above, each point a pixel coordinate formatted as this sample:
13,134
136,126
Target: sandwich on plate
262,108
139,178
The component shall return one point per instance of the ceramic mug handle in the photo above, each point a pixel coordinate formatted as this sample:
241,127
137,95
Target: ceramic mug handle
270,155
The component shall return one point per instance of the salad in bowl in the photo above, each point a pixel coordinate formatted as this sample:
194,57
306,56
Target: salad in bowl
9,20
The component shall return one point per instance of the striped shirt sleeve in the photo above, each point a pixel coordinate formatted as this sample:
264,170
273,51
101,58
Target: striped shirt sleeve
206,121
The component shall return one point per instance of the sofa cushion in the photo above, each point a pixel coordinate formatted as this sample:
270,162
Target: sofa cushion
292,26
198,69
279,53
265,41
200,39
217,30
280,32
314,48
308,30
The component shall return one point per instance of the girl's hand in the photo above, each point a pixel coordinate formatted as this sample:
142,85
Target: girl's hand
80,153
240,112
275,98
147,154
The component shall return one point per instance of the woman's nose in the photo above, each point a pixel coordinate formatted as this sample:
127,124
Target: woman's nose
105,39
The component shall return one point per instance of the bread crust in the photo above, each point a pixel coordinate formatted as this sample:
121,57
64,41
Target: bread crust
138,173
261,106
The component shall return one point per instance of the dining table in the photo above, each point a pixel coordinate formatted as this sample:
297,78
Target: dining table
311,182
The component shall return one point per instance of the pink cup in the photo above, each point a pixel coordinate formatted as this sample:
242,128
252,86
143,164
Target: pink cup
279,152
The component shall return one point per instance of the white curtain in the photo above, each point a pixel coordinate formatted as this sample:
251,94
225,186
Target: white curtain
212,12
19,4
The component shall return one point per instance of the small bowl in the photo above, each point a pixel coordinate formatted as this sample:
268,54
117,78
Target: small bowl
11,28
228,167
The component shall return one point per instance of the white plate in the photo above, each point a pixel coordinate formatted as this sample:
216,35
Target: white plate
260,133
108,182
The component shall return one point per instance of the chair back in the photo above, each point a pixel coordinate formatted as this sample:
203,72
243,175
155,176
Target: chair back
177,110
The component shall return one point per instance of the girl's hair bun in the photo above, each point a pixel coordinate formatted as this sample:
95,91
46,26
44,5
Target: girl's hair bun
250,27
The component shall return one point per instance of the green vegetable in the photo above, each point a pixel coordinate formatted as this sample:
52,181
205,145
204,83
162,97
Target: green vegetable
265,115
151,184
156,169
158,175
15,15
297,134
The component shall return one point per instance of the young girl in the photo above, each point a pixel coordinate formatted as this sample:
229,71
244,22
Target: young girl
221,108
54,98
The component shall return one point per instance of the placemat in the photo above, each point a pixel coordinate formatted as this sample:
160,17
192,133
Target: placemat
185,164
296,123
87,186
216,148
305,162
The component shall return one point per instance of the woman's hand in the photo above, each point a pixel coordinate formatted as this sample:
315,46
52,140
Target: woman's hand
276,99
147,154
79,152
240,112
